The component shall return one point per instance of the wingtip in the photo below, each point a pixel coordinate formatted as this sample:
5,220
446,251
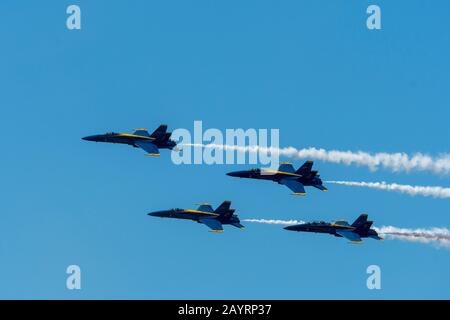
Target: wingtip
216,231
153,154
299,194
356,242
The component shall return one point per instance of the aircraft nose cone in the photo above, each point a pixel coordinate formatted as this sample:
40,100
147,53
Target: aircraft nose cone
89,138
236,174
163,213
290,228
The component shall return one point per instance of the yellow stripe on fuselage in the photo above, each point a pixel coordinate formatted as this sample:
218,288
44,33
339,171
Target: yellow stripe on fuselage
200,212
282,172
340,225
129,135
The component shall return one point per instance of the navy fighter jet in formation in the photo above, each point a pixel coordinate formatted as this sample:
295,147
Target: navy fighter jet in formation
151,143
205,214
287,175
340,228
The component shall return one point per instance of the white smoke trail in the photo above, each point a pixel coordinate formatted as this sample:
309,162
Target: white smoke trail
281,222
427,191
393,161
439,237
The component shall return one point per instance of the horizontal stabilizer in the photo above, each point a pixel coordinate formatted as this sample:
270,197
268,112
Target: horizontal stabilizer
376,237
320,187
237,225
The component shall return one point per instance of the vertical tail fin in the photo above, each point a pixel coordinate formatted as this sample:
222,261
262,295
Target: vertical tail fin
362,224
305,169
224,210
160,132
360,220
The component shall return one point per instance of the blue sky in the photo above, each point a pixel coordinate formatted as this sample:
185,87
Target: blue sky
310,68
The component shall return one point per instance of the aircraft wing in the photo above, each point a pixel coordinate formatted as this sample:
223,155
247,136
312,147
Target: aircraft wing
151,149
295,186
213,224
353,237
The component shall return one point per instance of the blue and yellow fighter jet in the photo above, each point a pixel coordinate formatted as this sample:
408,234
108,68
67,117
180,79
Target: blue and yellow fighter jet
286,174
205,214
340,228
140,138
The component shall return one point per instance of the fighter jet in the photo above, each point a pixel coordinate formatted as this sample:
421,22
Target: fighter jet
286,174
140,138
205,214
340,228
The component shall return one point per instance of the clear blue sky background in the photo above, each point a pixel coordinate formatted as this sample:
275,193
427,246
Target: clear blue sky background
309,68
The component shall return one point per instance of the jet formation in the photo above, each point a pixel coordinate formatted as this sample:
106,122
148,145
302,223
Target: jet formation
140,138
296,180
340,228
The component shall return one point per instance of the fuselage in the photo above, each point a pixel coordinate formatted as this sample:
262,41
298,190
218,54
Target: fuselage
276,176
192,214
331,228
319,227
130,139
